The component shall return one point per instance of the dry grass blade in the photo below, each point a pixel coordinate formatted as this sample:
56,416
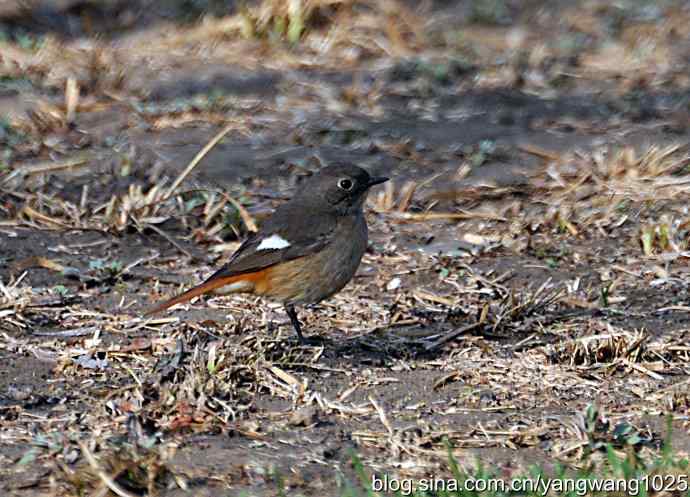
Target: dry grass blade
105,478
37,261
172,241
12,296
461,331
34,215
519,306
71,99
382,415
623,346
540,152
244,214
295,20
52,166
197,158
434,216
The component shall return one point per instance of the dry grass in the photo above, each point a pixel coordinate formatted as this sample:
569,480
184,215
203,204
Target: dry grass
191,377
14,298
141,207
488,315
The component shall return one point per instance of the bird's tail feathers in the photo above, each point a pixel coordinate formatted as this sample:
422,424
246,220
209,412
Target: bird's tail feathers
206,287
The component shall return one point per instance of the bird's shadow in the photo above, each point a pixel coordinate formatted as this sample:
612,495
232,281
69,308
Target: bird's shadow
376,347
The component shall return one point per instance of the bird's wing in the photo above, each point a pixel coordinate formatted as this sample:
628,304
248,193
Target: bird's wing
261,251
282,238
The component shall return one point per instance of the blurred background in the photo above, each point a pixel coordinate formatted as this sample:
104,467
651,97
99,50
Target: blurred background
422,87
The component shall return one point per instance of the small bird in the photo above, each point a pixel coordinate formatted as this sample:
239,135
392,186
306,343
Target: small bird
308,250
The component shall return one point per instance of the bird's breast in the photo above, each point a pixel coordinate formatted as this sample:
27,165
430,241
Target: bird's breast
317,276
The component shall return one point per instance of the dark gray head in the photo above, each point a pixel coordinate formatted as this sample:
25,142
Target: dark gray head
341,187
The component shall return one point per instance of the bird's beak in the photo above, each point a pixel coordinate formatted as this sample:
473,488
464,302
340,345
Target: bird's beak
377,180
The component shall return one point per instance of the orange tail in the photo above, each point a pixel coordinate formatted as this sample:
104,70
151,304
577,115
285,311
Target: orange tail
206,287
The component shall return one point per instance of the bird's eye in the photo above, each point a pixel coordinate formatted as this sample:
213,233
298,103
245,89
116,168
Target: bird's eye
346,184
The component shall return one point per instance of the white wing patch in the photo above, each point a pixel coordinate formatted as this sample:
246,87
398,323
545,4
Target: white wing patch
273,242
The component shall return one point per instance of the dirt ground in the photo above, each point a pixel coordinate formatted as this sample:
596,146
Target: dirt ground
528,260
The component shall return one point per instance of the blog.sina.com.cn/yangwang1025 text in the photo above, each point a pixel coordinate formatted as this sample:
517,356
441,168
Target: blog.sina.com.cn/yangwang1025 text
539,484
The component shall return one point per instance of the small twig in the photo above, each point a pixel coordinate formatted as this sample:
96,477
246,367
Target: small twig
674,386
523,342
170,240
51,166
74,332
105,478
133,375
141,260
570,449
460,331
382,414
679,308
643,370
453,334
537,151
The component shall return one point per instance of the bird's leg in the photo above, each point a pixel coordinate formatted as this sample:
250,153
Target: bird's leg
295,322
